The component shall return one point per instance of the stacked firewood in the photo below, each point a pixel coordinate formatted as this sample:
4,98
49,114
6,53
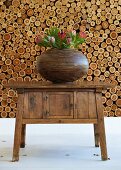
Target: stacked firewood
21,20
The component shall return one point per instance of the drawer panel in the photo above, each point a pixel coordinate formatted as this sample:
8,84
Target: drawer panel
59,105
86,105
33,105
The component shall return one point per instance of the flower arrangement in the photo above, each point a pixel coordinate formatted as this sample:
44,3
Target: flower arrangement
56,38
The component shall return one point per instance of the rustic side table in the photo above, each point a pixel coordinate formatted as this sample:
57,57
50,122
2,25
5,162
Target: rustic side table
59,103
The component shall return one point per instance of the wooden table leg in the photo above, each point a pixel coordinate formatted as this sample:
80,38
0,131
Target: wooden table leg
96,135
23,136
18,129
101,126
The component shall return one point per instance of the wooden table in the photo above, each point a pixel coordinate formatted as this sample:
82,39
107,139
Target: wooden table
59,103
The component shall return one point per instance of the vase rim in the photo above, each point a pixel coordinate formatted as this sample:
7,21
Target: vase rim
64,49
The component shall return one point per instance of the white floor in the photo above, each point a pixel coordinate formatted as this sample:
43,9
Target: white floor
61,147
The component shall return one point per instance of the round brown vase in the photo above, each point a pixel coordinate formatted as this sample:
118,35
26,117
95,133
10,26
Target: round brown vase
62,65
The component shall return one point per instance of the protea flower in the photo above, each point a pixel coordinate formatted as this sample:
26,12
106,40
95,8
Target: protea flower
38,39
61,39
73,32
52,39
82,34
62,35
69,40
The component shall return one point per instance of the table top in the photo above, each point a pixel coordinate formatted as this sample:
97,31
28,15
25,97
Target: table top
49,85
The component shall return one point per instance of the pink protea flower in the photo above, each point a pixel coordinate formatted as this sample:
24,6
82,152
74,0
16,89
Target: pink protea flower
69,40
62,35
60,38
82,34
38,39
52,39
73,32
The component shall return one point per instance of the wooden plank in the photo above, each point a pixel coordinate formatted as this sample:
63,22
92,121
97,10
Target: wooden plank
33,107
26,104
82,105
23,135
51,121
92,105
18,128
96,135
45,85
59,105
101,127
75,105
